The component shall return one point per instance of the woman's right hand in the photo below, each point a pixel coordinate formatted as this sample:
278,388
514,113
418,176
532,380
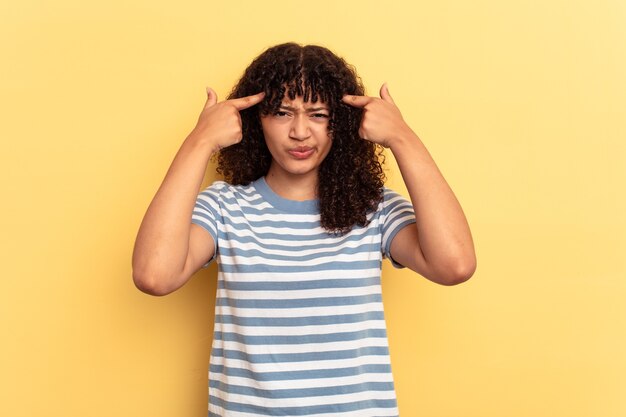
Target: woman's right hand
219,124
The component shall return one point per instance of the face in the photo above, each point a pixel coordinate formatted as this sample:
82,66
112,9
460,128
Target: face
297,137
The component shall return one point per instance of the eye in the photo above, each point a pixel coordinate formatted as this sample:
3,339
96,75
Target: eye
281,113
319,116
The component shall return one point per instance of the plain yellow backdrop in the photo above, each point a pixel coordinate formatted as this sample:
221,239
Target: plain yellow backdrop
522,105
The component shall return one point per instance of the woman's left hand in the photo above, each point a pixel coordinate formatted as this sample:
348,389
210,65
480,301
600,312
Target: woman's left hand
382,121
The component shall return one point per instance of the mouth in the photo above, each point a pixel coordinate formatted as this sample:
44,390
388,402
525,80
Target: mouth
301,152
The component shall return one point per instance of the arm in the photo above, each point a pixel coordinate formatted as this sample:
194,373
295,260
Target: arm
169,248
439,245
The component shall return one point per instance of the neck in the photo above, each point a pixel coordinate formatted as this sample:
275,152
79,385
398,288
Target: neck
292,187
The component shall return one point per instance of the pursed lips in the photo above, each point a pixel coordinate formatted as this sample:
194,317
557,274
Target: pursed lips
301,152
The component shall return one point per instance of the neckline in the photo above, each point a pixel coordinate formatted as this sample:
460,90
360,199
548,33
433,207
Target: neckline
283,204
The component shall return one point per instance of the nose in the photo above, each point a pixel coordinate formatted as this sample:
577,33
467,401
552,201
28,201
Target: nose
300,128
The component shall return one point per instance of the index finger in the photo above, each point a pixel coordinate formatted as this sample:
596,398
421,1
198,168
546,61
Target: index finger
243,103
356,101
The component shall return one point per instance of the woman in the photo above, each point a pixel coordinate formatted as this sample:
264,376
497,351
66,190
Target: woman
299,228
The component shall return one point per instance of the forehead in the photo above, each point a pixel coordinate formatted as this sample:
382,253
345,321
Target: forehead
298,102
292,97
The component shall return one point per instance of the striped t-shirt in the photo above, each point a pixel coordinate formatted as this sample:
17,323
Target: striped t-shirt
299,324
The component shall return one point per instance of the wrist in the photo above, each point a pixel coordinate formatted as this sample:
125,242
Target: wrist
201,143
405,137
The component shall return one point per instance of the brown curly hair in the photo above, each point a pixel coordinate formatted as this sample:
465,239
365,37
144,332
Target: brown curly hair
351,176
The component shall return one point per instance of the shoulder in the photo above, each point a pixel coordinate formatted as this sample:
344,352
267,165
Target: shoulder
396,209
392,199
223,188
224,194
389,194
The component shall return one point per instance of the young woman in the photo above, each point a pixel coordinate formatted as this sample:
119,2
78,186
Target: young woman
299,229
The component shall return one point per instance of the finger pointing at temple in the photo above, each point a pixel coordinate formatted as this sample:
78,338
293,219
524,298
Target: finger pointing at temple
356,101
243,103
382,121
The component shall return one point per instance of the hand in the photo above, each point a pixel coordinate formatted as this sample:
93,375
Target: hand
219,124
382,121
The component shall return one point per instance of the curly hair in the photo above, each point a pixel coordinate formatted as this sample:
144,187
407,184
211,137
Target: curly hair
351,178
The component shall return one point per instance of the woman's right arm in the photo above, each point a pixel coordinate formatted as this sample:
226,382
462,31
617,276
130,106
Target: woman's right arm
169,249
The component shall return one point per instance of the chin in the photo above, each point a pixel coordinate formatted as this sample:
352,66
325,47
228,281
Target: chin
300,170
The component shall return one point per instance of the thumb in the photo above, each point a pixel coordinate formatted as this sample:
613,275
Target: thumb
384,94
211,98
243,103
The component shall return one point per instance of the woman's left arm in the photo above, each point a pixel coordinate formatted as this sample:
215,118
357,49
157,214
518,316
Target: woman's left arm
439,245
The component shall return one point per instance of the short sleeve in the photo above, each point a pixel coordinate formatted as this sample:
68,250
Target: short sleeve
397,213
207,213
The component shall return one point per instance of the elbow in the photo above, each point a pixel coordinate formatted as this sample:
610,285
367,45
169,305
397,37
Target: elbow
463,272
150,283
458,273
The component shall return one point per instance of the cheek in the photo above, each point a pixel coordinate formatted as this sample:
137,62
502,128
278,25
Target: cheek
269,134
327,146
272,130
325,136
265,127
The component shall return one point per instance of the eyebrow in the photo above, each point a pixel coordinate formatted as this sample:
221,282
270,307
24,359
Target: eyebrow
309,110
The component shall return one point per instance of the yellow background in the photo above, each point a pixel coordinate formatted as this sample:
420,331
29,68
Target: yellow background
522,105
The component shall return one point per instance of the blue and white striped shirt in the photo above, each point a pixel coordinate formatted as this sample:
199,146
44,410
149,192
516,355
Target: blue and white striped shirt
299,324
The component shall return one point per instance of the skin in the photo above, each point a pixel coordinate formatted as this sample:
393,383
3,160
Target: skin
439,246
297,137
169,249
